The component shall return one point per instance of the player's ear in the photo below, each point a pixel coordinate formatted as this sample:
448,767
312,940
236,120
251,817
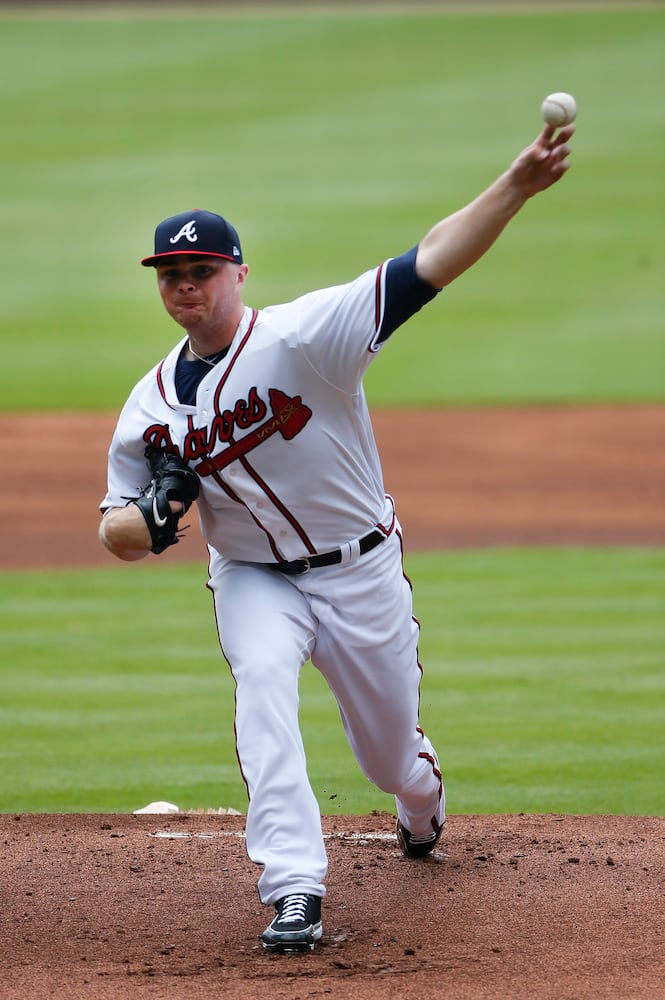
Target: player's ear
243,271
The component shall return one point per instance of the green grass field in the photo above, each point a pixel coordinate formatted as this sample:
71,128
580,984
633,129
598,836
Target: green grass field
543,688
334,139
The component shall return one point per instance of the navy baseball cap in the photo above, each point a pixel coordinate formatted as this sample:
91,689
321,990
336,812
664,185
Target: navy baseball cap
195,232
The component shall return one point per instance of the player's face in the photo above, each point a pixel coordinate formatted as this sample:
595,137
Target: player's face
201,293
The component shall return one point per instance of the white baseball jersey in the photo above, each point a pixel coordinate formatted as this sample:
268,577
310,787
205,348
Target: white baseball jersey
280,432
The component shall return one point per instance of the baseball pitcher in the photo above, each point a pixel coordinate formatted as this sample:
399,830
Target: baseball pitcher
259,416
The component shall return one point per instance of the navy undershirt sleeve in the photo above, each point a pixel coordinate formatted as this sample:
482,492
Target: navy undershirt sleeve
406,293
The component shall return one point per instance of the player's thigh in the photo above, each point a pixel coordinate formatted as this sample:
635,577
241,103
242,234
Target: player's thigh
367,649
265,624
365,615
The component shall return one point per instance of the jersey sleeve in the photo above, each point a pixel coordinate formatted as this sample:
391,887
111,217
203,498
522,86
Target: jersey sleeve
340,329
128,475
128,472
405,293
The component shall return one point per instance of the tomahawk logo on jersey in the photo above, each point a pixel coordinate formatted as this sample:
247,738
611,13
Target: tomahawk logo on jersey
285,414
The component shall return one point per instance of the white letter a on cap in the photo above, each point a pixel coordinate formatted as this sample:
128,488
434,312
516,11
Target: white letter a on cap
188,230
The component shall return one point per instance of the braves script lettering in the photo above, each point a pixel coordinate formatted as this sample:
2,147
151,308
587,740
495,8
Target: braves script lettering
288,416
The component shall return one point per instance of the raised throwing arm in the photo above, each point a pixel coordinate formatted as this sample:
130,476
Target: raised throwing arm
455,243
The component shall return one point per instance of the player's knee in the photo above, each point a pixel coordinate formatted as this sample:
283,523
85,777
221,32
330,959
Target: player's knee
402,774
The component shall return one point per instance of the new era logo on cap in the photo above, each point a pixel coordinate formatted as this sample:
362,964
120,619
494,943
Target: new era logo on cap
196,232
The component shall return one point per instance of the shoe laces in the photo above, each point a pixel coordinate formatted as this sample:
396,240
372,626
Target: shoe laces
294,908
423,839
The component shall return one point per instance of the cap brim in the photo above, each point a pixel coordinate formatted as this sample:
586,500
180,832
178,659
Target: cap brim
163,257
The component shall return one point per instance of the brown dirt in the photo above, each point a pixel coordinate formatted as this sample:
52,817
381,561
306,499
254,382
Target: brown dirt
589,476
560,907
509,907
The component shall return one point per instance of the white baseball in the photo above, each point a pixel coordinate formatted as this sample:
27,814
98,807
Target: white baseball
559,109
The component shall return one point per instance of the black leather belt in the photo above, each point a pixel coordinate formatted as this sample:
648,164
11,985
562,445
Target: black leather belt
298,566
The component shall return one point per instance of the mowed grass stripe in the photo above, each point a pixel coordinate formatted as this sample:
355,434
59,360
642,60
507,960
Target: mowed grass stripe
543,687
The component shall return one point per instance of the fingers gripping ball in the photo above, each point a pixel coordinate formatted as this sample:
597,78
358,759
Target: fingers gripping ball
172,479
559,109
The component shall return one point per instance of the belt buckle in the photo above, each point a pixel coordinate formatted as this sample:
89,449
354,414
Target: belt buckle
305,567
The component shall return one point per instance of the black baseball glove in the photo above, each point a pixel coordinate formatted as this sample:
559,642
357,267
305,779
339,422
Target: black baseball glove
172,479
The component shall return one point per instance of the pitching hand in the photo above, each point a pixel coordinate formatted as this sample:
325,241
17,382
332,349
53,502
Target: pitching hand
544,162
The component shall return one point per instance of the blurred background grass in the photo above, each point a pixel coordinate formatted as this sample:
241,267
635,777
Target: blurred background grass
332,139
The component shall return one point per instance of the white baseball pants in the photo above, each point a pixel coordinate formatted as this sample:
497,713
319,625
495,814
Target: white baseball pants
355,622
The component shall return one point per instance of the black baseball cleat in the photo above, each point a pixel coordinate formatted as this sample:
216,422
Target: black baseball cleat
296,926
416,847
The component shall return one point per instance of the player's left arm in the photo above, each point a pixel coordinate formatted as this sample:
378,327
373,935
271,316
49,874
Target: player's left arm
150,523
455,243
124,532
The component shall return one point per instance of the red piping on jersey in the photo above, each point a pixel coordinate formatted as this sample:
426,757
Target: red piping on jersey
391,527
300,531
160,385
233,360
248,468
160,381
234,496
377,299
